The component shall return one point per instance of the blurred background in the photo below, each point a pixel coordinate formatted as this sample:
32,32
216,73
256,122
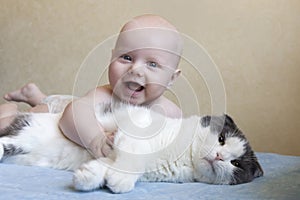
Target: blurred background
255,46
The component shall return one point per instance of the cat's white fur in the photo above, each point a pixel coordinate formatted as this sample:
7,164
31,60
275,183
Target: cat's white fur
147,147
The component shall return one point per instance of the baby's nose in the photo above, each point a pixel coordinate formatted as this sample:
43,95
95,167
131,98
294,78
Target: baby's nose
137,69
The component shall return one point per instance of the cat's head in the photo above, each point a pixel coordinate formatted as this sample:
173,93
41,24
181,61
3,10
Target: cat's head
226,155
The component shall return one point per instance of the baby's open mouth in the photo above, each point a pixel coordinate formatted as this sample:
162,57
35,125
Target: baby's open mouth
135,86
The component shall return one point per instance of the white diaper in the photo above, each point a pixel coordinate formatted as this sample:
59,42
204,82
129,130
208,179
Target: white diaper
57,103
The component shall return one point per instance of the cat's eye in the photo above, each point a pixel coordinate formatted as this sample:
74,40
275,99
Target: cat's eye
221,139
235,163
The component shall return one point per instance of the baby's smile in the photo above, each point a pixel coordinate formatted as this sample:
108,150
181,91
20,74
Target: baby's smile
134,86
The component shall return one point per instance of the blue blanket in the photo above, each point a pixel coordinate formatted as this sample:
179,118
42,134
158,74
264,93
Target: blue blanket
281,181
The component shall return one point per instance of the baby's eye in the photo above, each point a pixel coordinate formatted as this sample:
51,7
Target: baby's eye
221,139
152,64
126,57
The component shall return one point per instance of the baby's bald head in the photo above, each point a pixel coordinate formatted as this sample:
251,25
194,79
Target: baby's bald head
149,31
148,21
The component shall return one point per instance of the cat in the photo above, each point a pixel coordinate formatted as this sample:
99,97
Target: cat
147,147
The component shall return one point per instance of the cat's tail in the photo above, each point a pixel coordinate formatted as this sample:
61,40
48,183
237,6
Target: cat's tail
21,121
8,149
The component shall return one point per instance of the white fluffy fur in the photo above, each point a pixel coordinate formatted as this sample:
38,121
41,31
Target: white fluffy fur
148,147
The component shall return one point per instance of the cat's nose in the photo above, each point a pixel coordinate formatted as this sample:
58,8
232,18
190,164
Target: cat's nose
219,157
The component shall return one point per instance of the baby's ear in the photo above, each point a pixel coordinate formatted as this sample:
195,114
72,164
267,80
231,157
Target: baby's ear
176,73
174,76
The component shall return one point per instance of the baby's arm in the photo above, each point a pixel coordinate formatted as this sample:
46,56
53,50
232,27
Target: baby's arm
79,123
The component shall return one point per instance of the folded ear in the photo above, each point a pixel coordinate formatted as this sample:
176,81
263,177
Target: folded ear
258,171
229,121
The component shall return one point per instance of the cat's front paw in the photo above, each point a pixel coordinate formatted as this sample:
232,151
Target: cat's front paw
89,176
119,182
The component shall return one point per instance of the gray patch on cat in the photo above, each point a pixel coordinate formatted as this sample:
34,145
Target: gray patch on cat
107,108
220,124
21,121
11,150
103,108
16,126
205,121
247,166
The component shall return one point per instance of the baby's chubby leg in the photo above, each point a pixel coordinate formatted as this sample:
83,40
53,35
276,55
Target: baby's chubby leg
29,93
8,109
8,112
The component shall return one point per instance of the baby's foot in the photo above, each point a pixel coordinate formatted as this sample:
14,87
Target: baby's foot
29,93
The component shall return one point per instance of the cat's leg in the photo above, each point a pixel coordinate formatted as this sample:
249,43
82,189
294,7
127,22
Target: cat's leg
94,174
128,167
120,181
130,163
91,175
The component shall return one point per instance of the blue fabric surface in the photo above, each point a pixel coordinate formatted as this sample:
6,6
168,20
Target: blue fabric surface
281,181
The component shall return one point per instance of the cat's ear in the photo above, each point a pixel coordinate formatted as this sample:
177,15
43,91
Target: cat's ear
258,171
229,121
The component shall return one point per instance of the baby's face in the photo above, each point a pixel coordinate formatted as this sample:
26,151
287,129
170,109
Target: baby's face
142,66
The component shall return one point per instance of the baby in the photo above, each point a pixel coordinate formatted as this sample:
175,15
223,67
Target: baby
143,65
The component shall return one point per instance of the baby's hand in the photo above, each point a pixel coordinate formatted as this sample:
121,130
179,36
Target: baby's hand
109,142
102,145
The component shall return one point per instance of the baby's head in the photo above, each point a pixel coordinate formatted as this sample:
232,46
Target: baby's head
145,59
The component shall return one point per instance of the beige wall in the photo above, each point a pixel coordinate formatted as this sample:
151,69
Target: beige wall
254,43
